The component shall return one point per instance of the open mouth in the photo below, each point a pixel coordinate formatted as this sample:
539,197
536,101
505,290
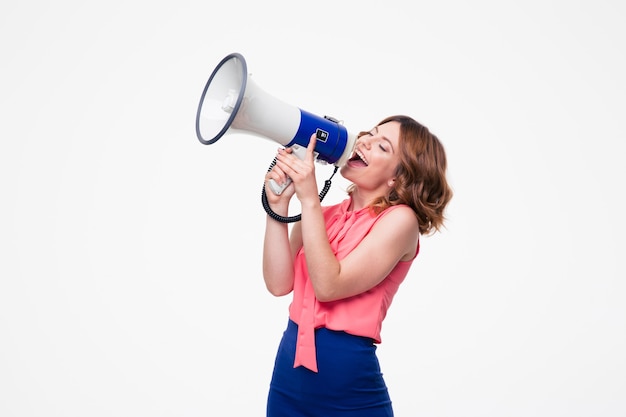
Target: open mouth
358,160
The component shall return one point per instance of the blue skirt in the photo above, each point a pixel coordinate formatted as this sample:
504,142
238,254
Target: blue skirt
348,383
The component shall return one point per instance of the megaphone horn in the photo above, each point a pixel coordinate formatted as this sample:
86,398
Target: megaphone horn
231,102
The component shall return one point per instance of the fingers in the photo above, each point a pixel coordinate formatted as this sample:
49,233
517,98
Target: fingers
291,162
277,174
310,150
277,186
288,162
296,165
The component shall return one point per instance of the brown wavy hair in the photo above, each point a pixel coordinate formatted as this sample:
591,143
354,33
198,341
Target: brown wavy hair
420,176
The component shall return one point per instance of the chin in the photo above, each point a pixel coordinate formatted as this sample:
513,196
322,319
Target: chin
349,173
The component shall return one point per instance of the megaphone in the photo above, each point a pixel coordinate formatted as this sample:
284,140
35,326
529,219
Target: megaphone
231,102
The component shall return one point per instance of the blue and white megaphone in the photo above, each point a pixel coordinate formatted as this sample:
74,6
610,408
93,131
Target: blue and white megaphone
232,103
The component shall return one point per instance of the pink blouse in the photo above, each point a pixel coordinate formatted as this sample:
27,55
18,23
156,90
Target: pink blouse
360,315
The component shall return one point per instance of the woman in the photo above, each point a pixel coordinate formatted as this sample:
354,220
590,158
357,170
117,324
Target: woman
344,263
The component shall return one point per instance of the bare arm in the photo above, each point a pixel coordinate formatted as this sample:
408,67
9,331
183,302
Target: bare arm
392,239
278,254
277,258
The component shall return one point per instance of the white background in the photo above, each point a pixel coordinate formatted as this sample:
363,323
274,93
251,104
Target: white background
130,253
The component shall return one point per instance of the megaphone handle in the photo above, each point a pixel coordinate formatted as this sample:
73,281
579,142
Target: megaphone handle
298,217
278,189
298,151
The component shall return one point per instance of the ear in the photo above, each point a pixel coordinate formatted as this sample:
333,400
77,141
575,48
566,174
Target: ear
391,182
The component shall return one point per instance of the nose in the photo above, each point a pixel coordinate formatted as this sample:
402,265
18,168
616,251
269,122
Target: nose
366,140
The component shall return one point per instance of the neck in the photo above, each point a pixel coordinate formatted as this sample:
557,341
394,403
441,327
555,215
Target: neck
360,199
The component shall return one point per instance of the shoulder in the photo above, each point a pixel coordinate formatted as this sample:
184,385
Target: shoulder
399,213
397,220
398,226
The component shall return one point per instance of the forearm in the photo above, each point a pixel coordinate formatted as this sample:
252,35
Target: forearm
322,264
277,258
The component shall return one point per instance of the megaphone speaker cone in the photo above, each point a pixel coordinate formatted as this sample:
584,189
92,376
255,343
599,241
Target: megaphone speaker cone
221,98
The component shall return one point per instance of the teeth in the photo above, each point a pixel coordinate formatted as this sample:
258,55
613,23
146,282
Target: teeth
361,156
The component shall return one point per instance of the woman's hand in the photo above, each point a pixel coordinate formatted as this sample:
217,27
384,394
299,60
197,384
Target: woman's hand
301,171
276,174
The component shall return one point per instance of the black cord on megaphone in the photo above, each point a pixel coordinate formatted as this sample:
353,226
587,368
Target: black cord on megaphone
297,218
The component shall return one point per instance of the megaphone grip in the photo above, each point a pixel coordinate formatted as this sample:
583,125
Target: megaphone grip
278,189
296,218
300,152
